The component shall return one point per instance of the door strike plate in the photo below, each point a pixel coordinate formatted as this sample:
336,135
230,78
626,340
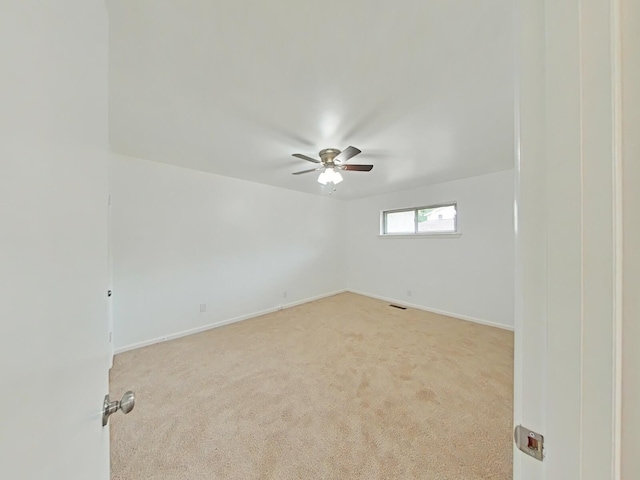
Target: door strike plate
529,442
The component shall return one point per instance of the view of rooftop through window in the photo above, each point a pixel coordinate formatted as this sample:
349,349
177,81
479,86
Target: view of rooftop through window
439,219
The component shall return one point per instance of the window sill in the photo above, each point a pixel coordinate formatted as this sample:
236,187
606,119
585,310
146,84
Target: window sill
421,235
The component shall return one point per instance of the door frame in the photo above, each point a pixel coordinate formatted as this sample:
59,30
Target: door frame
568,216
110,278
630,149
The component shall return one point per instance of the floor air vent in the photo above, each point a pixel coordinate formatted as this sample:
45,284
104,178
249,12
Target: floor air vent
398,306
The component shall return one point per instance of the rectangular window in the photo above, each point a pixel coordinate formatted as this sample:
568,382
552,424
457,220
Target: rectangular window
420,220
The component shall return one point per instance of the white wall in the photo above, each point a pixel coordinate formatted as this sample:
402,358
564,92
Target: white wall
470,276
182,237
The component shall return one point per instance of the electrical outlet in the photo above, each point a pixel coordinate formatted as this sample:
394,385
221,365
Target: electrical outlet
408,293
203,307
284,294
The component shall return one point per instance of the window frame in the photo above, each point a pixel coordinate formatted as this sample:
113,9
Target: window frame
416,233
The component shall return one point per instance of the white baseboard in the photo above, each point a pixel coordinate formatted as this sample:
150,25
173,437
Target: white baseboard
220,323
433,310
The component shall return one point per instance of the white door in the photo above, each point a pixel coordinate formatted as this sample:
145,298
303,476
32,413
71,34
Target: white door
53,239
568,238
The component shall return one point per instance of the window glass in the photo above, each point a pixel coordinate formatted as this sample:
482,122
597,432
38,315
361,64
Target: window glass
420,220
401,222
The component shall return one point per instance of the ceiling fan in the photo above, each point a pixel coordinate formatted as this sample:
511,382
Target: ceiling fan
331,161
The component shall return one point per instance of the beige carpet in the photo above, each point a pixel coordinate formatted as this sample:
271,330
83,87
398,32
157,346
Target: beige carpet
340,388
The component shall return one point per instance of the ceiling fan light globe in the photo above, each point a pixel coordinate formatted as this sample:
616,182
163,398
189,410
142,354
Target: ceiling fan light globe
337,178
323,178
331,174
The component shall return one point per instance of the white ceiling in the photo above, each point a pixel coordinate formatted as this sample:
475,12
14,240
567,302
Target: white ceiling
423,88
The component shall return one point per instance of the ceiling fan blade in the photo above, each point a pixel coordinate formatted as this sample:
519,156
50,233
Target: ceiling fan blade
304,157
357,168
346,154
306,171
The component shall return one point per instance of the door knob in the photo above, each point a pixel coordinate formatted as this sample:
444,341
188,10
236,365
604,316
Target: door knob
125,404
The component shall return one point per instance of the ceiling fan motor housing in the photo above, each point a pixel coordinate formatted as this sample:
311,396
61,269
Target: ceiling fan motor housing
328,154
